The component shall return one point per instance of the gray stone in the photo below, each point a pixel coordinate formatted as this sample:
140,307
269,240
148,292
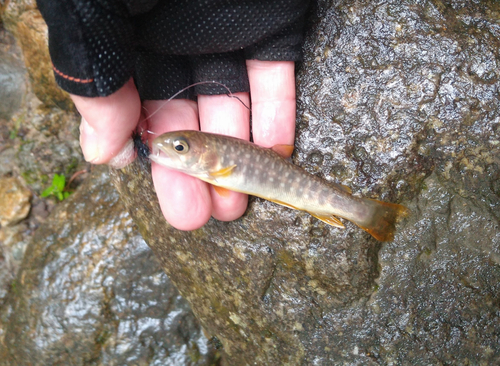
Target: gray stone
14,201
400,99
12,76
90,291
396,99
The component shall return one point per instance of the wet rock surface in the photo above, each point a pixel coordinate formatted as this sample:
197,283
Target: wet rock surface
399,101
22,18
12,73
36,142
90,291
14,201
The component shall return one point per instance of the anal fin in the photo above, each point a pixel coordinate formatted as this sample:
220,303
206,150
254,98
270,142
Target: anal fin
330,220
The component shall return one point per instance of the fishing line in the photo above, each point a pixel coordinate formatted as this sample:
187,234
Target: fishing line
229,94
143,148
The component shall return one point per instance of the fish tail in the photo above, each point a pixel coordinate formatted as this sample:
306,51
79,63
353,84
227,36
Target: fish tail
382,225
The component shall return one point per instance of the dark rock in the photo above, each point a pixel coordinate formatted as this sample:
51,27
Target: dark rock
398,100
12,76
402,101
255,283
91,292
35,143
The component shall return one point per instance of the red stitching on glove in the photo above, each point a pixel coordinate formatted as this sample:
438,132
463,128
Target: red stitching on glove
71,78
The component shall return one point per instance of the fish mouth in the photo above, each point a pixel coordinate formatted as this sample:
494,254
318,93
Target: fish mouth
159,156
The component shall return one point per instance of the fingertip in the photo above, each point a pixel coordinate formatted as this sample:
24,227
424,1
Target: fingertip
227,116
107,125
185,201
89,142
272,87
228,208
126,155
172,115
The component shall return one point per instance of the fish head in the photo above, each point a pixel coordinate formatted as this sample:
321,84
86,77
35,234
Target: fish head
185,151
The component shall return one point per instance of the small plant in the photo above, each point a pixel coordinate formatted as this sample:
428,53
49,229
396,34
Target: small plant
57,188
13,134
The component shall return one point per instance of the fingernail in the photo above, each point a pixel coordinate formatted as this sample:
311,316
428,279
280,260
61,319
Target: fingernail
88,142
124,157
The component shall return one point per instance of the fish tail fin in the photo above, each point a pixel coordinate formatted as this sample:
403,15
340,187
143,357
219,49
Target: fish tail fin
382,225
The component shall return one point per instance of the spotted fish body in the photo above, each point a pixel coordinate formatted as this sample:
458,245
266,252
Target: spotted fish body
241,166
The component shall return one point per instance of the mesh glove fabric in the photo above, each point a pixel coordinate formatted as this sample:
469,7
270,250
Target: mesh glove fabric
97,45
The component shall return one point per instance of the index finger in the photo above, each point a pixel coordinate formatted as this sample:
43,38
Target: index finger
184,200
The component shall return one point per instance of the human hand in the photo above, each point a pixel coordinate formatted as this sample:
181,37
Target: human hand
109,56
186,202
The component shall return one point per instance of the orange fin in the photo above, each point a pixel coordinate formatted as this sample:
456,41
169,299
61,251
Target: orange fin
224,172
284,151
383,224
330,220
344,188
283,204
223,192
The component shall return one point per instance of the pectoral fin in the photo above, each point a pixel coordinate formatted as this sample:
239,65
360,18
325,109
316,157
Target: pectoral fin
222,173
330,220
284,151
223,192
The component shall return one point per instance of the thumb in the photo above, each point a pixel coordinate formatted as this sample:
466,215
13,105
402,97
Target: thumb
107,126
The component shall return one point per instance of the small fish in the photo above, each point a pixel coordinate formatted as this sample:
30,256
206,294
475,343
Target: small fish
238,165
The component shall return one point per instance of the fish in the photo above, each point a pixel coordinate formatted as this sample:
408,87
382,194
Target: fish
232,164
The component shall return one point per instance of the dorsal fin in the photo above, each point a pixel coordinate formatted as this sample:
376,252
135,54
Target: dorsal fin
284,151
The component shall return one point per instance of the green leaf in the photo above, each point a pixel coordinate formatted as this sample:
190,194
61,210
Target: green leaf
57,188
48,191
59,182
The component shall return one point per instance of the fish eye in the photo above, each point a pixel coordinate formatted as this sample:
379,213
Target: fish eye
181,146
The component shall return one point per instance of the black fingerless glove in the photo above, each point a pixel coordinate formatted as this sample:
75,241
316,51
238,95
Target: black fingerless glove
97,45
